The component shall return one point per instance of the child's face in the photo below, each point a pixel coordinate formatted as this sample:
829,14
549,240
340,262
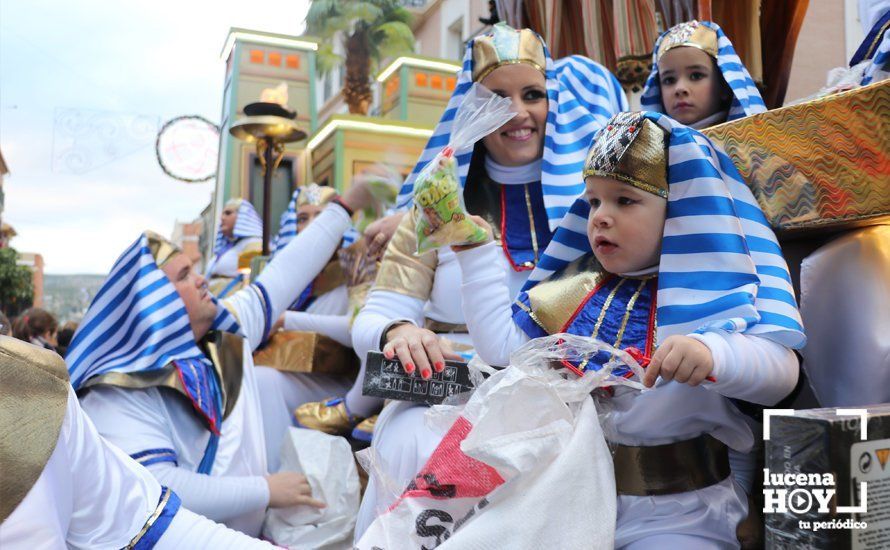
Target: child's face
692,88
625,225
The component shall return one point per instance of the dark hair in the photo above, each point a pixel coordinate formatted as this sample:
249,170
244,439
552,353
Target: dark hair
34,322
63,338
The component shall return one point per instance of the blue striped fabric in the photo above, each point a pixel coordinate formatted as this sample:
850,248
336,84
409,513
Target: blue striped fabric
168,506
248,224
582,96
721,267
880,63
746,98
287,229
137,322
154,456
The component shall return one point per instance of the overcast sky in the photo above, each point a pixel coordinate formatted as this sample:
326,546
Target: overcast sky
83,86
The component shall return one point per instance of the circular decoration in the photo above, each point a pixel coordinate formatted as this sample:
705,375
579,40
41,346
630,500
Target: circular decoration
187,148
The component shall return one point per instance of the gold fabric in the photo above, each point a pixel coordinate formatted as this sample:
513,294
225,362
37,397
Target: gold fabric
315,195
297,351
631,149
692,34
161,249
318,416
554,301
248,253
234,204
331,277
403,272
159,509
33,400
225,351
505,45
817,165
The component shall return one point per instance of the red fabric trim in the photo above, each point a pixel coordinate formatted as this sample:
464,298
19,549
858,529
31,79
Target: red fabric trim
504,234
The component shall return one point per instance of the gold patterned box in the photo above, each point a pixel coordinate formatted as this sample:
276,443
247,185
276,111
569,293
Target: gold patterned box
823,164
296,351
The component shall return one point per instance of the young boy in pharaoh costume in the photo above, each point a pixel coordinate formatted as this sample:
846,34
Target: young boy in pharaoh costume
679,262
166,373
698,79
64,486
240,230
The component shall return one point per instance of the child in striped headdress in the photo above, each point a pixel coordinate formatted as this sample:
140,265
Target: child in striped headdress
668,252
698,79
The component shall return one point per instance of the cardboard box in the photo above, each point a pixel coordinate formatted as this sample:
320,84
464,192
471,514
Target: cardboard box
296,351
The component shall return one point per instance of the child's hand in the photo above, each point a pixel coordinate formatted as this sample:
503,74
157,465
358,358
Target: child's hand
484,225
682,359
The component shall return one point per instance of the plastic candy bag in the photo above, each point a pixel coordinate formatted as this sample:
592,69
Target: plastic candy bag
440,214
384,183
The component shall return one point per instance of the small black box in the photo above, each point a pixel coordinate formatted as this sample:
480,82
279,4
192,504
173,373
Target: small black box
820,442
387,379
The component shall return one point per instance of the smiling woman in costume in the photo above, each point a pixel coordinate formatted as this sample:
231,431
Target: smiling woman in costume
521,178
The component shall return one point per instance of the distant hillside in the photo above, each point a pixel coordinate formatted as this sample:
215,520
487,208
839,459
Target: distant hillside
68,296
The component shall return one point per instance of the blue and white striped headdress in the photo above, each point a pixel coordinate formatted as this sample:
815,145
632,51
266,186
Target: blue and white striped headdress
876,45
746,99
582,96
247,224
287,229
138,323
721,266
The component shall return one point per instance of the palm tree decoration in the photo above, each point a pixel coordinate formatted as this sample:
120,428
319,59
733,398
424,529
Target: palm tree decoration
373,30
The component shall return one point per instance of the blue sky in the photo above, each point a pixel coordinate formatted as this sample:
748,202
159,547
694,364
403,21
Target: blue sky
136,63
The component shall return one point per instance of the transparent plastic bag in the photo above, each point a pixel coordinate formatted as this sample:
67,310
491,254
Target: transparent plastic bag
511,450
440,213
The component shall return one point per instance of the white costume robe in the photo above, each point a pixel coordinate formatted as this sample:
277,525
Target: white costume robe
137,420
90,495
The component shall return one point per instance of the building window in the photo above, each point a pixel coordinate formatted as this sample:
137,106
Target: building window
454,45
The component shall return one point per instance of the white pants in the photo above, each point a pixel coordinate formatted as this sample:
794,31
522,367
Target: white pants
281,393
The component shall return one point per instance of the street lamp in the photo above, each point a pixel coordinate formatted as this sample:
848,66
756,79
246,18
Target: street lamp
270,126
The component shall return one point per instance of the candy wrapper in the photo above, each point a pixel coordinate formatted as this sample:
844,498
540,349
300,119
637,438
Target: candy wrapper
440,214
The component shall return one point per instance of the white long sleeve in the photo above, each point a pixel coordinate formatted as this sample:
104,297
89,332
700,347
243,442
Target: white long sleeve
289,273
750,367
332,326
188,530
219,498
487,305
382,309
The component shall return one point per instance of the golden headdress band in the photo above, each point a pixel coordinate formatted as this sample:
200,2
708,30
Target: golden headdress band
162,249
692,34
316,195
505,45
631,149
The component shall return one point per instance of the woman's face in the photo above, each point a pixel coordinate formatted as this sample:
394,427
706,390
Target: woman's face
521,140
227,221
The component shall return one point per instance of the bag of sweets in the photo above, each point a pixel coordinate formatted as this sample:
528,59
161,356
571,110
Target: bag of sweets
440,214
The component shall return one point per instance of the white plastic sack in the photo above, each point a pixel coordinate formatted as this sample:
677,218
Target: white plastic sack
328,465
524,465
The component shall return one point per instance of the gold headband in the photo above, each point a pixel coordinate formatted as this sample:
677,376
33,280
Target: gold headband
233,203
316,195
692,34
631,149
505,45
161,249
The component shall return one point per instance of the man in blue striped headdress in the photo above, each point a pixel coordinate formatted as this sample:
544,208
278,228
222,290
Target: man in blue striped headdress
667,252
166,372
240,231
